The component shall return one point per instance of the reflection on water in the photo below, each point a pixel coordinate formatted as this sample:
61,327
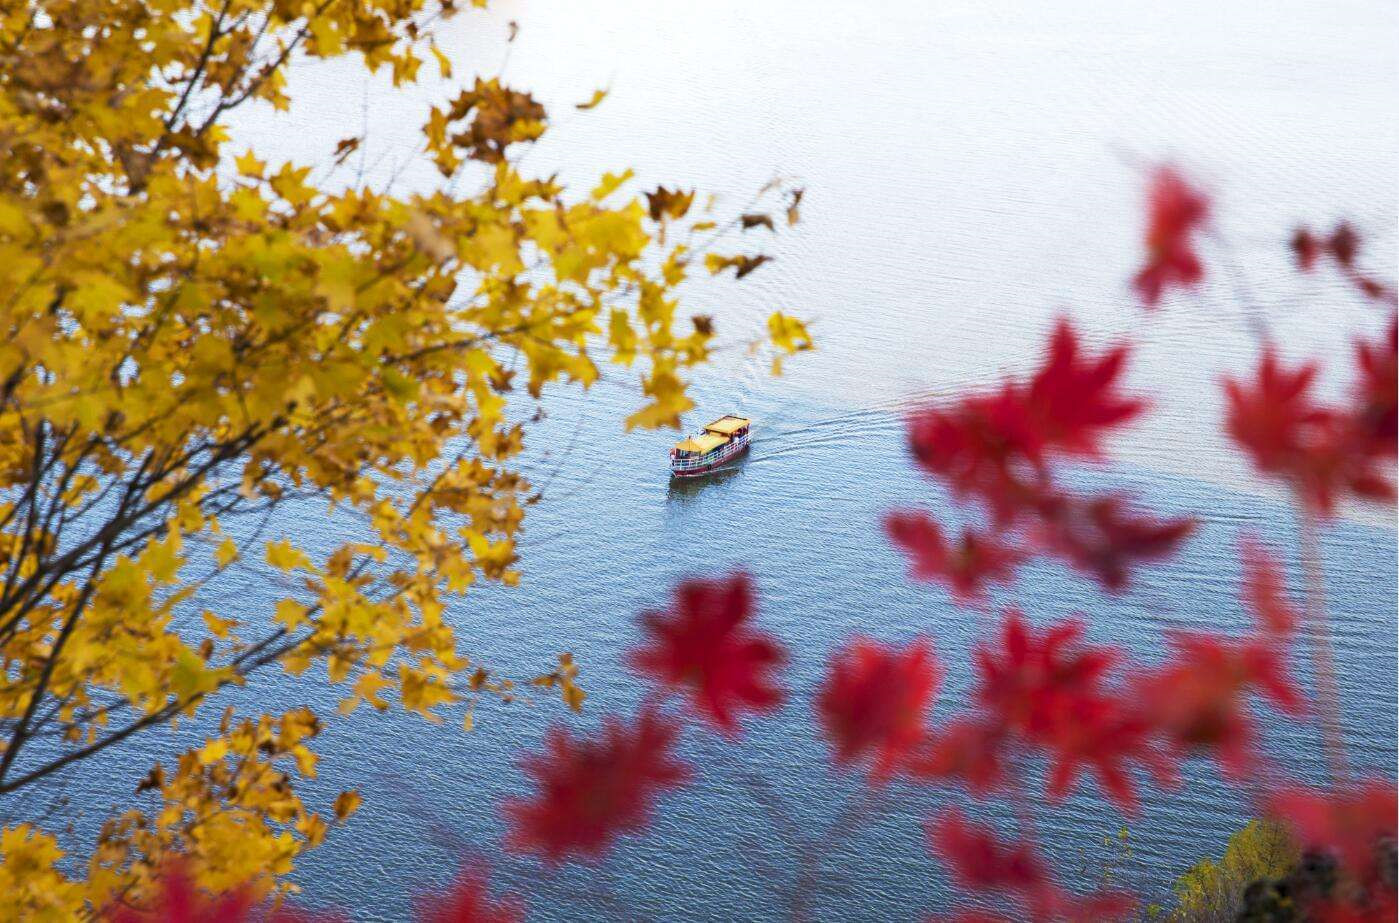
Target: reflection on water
684,490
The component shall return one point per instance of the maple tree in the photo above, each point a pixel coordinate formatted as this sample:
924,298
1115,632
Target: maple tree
195,337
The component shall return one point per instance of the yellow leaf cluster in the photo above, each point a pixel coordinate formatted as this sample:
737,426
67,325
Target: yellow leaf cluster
194,334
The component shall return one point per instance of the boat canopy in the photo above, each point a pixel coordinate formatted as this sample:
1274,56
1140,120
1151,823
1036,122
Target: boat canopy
705,442
727,425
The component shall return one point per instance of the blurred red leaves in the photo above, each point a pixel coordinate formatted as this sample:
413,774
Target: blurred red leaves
1198,699
1047,688
965,567
1323,453
994,449
980,861
1350,823
1073,398
706,646
179,900
1265,589
1175,210
591,791
873,704
468,900
1341,246
1105,537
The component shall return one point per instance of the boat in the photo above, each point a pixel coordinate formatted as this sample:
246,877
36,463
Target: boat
719,442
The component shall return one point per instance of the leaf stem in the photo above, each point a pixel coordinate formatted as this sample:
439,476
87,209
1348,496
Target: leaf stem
1323,657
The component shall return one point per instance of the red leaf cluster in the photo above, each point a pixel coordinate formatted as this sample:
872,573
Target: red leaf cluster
1199,699
591,791
1104,537
706,646
1087,709
1174,211
979,861
1046,690
874,702
965,567
995,450
1341,246
1323,453
469,901
1356,825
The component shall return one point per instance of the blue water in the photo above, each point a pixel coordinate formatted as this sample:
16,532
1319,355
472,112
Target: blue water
802,515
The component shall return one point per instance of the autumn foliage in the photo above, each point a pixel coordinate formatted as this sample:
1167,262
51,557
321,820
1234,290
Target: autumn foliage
193,334
197,337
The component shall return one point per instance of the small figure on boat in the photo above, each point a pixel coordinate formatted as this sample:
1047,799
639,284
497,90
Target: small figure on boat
724,439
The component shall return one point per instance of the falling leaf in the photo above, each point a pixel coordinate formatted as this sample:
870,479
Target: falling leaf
753,221
667,203
742,265
793,215
347,803
597,97
345,148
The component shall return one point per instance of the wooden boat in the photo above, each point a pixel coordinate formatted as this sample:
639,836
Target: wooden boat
721,441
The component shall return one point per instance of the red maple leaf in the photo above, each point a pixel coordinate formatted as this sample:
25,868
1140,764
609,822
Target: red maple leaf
994,447
965,568
1104,537
706,646
1175,210
1306,248
590,791
1198,699
980,862
468,900
966,749
987,447
1073,398
1047,688
874,701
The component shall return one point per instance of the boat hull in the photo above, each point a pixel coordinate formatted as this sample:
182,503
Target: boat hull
720,460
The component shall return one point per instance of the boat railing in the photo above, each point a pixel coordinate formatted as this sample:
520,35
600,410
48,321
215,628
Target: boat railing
702,461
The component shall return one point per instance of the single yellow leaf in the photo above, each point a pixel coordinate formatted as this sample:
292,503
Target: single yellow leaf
248,165
597,97
226,553
347,803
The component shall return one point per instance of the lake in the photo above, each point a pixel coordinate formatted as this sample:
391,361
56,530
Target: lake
974,169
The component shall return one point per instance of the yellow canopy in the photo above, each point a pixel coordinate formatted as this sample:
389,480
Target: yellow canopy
703,443
727,425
